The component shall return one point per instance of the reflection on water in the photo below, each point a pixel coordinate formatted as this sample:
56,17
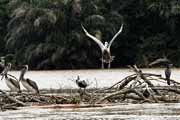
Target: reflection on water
104,78
62,79
123,112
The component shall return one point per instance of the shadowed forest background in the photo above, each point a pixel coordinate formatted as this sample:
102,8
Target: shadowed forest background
47,34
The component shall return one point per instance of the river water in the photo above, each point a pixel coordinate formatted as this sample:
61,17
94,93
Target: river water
97,78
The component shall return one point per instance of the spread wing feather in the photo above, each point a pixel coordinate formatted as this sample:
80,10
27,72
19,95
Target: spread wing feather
120,30
93,38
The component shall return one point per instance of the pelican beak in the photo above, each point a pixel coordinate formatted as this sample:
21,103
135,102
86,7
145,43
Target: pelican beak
2,74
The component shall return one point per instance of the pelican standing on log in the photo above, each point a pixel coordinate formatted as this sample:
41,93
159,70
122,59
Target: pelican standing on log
105,48
30,85
12,83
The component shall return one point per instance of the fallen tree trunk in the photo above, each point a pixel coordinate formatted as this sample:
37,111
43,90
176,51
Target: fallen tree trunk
13,99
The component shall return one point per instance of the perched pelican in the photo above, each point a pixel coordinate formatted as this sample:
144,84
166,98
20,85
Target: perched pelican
168,73
105,48
81,83
13,84
30,85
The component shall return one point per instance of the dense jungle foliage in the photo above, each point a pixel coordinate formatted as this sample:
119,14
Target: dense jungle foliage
47,34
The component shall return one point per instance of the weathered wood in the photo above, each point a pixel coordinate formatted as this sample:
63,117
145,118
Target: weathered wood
113,94
125,82
140,73
124,91
121,81
13,99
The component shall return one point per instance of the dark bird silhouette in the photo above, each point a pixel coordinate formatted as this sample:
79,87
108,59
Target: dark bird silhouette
168,73
167,63
81,83
105,48
30,85
12,83
2,64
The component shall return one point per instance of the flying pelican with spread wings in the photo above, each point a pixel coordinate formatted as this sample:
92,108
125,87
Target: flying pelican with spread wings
105,48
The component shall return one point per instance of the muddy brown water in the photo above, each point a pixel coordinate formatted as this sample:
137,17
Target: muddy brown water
118,112
97,78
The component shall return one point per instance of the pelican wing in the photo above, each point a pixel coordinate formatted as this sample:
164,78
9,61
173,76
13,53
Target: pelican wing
33,84
13,77
14,82
93,38
120,30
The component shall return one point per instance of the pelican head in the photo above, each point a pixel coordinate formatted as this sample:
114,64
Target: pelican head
23,71
78,78
9,65
25,67
106,44
169,65
7,68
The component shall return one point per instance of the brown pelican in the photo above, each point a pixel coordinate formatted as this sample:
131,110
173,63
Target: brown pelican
168,73
30,85
105,48
13,84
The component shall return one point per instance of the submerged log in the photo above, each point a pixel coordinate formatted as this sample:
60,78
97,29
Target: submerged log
69,106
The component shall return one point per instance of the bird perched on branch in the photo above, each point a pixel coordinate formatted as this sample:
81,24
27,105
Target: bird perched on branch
30,85
12,83
167,63
168,73
105,48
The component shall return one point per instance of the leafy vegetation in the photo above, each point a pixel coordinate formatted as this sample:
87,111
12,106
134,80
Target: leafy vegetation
47,34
